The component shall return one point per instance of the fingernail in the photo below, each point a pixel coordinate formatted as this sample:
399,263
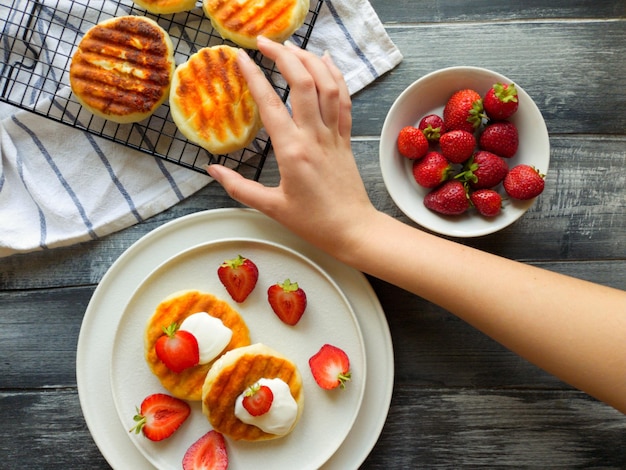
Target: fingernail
262,40
290,44
243,56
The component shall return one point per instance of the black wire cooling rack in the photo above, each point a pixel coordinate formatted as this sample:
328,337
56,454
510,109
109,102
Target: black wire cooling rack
38,38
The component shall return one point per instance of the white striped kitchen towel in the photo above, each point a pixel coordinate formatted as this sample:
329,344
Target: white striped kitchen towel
60,185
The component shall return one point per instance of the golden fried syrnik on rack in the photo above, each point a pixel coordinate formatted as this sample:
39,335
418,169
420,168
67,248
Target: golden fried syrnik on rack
122,68
242,21
211,103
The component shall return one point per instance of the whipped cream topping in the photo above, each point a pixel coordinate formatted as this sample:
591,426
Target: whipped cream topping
281,415
212,335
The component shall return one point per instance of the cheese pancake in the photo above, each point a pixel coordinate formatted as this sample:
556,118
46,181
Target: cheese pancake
174,309
211,103
122,68
242,21
232,375
165,7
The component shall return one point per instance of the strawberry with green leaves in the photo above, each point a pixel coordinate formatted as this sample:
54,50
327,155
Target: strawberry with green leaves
484,170
524,182
288,301
432,126
177,349
500,138
412,143
501,101
239,276
463,110
487,202
432,170
160,415
258,399
330,367
207,453
448,199
457,145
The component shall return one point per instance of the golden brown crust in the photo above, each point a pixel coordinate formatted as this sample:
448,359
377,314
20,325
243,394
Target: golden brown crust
232,375
211,103
174,309
122,68
242,21
165,7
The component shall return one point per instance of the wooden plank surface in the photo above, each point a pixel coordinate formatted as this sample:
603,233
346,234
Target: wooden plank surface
460,399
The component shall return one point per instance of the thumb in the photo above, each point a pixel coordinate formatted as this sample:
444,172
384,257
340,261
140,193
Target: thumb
248,192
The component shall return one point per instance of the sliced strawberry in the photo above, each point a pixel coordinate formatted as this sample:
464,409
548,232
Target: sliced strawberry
330,367
258,399
177,349
288,301
160,416
207,453
239,276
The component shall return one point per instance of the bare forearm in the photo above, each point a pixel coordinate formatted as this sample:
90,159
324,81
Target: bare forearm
573,329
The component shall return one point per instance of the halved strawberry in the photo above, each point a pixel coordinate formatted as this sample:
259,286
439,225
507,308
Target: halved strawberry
258,399
207,453
330,367
239,276
288,301
160,416
177,349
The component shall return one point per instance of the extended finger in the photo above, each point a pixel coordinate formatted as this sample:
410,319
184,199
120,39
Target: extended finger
345,101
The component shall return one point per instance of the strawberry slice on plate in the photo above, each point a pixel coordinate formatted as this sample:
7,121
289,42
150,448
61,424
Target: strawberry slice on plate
288,301
160,415
207,453
330,367
239,276
258,399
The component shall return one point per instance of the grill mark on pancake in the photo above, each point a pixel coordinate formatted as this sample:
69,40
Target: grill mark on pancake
122,68
252,20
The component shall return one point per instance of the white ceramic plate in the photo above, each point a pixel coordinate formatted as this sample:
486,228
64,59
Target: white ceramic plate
429,95
328,319
97,334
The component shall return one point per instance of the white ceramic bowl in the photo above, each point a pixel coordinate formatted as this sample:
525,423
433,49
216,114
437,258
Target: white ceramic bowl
429,95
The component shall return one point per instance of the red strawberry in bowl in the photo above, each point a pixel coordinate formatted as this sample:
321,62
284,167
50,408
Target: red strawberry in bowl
448,199
501,101
500,138
239,276
463,110
432,126
330,367
288,301
487,202
524,182
160,415
412,143
484,170
432,170
457,145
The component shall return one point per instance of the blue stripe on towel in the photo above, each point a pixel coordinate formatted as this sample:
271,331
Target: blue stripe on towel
351,40
118,184
60,176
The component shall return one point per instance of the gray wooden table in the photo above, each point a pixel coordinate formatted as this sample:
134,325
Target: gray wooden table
460,399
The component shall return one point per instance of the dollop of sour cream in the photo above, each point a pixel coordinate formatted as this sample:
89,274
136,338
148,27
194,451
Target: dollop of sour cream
212,335
281,415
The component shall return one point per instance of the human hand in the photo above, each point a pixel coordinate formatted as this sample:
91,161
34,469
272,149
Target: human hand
321,196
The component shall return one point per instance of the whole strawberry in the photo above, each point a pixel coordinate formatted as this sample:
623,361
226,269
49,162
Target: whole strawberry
487,202
501,101
524,182
484,170
500,138
458,145
449,199
432,170
412,143
432,126
463,110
